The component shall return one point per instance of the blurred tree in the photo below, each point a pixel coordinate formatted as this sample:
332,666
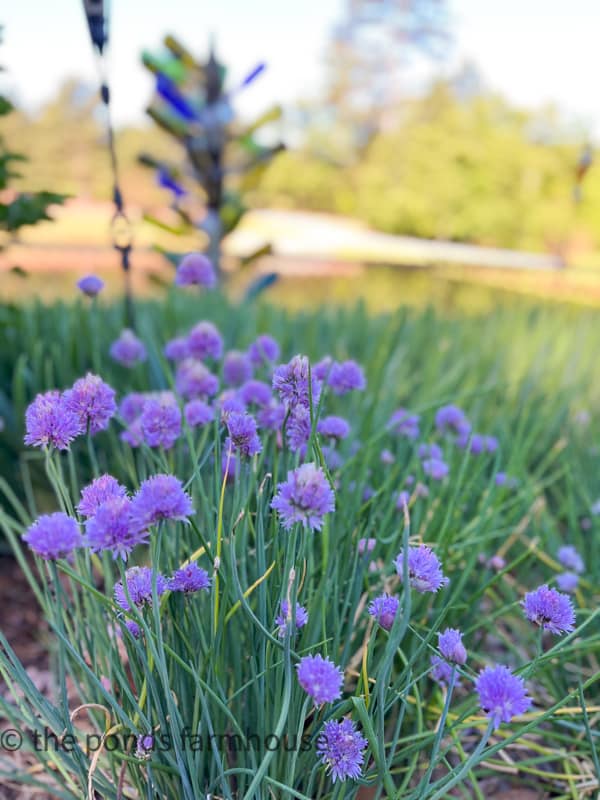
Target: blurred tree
369,48
462,165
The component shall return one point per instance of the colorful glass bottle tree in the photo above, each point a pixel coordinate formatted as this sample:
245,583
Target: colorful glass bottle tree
222,158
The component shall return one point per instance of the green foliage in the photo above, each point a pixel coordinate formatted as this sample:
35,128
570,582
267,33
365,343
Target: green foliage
26,208
473,170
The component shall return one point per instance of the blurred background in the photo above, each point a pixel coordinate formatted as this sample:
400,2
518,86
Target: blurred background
403,151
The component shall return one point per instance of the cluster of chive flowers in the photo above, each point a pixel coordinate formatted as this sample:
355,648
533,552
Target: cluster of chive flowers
249,397
452,428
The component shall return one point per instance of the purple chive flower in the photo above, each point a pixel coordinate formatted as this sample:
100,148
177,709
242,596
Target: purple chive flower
255,393
452,418
366,545
550,609
145,743
570,558
346,376
282,619
237,368
53,536
242,434
496,562
90,285
193,379
204,341
291,382
50,423
298,429
322,368
305,497
341,749
271,417
402,499
98,492
160,497
195,269
502,695
474,443
93,401
131,406
139,587
384,609
190,578
133,628
230,402
161,422
320,678
110,529
264,350
128,350
431,451
490,444
198,413
333,427
387,457
133,435
451,646
177,349
441,671
424,569
435,468
567,581
404,423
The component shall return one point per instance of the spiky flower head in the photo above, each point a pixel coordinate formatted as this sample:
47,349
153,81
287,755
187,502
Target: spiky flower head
176,349
292,383
346,376
264,350
404,423
451,646
384,609
284,616
110,529
333,427
90,285
160,497
243,437
567,581
237,368
550,609
198,413
570,558
502,695
205,341
305,497
424,569
139,582
93,401
97,492
50,423
255,393
161,421
341,749
320,678
189,579
53,536
193,379
128,350
195,269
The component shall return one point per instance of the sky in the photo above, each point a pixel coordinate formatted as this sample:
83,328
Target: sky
533,51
